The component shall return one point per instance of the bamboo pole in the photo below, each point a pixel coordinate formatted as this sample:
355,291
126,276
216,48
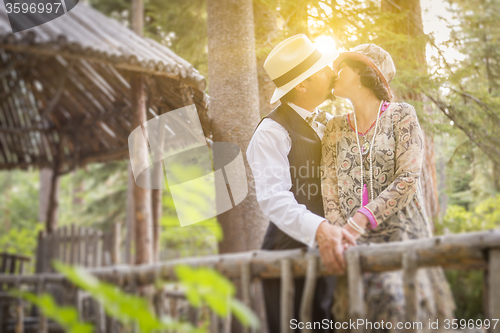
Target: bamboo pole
287,295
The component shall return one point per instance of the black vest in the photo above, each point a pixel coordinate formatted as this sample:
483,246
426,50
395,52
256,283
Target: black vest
305,161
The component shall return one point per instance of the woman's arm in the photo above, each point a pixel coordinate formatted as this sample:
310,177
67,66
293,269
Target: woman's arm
409,158
329,181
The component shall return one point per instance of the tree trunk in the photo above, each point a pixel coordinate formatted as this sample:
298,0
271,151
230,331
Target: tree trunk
142,197
130,233
44,197
413,27
234,107
266,31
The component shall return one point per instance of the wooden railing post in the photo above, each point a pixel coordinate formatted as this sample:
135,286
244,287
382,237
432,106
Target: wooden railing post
409,263
355,287
306,304
287,295
245,287
494,286
115,256
19,310
42,320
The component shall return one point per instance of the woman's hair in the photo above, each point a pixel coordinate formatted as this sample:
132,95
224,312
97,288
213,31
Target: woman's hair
370,79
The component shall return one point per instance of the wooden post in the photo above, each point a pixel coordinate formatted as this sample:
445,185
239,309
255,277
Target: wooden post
245,286
142,197
65,248
95,248
42,320
129,241
51,220
494,286
306,304
409,263
355,286
72,244
287,295
115,256
19,311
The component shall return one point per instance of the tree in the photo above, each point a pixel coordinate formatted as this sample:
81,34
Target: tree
234,108
142,197
412,53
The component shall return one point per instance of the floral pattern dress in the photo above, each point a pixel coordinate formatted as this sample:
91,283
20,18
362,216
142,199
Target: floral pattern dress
397,208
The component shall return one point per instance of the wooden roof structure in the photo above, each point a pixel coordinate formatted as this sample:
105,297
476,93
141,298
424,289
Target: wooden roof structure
65,89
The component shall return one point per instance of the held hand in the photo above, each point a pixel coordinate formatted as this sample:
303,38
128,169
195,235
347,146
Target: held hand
331,248
359,219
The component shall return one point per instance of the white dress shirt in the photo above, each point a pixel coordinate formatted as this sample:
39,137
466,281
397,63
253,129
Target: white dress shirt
267,155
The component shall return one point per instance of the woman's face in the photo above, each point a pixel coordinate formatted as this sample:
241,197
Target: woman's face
347,81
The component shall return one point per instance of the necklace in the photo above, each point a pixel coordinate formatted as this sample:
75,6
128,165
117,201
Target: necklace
367,149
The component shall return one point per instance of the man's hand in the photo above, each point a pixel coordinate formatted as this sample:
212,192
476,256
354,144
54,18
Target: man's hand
331,249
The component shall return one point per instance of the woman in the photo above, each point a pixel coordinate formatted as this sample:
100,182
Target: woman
371,161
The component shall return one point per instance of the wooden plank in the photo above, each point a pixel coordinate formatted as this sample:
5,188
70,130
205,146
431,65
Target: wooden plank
287,295
410,289
72,244
306,304
65,245
494,286
86,247
355,286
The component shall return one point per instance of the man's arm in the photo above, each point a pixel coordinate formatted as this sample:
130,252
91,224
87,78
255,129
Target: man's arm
267,156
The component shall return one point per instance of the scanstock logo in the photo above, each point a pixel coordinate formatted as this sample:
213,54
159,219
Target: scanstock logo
204,180
26,14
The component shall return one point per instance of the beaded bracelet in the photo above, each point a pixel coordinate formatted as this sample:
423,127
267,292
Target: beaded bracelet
355,226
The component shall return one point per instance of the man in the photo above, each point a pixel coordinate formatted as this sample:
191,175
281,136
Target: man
284,155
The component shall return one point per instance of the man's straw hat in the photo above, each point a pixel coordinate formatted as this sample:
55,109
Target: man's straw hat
294,60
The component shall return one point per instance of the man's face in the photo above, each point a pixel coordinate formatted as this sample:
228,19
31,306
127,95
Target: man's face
319,86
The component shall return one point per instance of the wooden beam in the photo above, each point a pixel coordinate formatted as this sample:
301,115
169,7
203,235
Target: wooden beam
59,91
267,264
195,80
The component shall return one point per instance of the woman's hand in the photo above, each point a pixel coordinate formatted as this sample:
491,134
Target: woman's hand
359,219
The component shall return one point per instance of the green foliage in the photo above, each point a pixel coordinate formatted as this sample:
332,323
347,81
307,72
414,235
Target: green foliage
20,241
486,215
128,309
67,317
467,286
202,286
205,285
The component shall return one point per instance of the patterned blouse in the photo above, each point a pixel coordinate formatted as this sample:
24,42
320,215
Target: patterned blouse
397,162
397,208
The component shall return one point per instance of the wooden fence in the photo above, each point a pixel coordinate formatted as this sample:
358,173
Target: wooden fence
479,250
78,245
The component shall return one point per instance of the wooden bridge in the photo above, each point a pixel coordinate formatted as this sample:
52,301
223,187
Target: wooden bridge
480,250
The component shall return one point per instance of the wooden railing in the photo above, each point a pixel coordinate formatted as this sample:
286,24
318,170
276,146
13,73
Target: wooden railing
480,250
77,245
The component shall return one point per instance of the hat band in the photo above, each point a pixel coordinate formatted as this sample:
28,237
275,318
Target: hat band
297,70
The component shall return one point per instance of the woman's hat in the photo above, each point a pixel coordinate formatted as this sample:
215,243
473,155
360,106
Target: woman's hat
294,60
375,57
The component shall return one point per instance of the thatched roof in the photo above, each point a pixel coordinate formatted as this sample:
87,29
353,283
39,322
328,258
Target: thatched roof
65,87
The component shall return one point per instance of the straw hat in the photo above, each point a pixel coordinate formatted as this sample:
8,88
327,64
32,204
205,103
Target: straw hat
294,60
375,57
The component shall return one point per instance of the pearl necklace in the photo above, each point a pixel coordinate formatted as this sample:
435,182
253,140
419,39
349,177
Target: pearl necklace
369,155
